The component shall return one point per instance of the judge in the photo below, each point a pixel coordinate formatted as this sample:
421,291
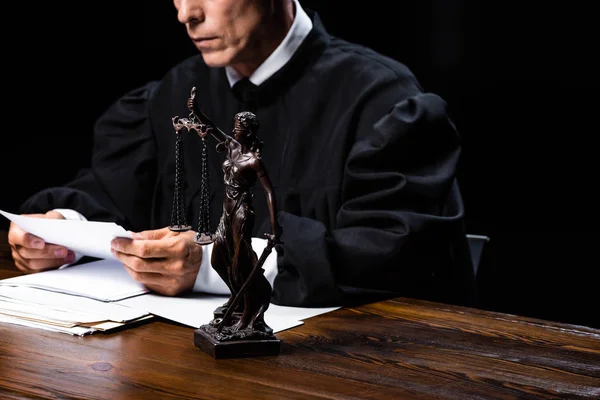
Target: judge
362,162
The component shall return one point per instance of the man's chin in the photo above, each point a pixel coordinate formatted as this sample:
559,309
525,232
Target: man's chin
215,59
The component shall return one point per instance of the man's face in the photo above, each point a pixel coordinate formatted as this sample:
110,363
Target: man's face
223,30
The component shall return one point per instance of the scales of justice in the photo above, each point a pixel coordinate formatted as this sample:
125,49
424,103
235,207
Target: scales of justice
238,328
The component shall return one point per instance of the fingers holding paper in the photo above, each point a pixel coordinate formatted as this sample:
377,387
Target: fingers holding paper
32,254
165,262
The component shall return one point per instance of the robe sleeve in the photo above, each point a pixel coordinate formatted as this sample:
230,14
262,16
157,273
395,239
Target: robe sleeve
399,218
124,152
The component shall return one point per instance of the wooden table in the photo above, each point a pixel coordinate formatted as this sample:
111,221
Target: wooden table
394,349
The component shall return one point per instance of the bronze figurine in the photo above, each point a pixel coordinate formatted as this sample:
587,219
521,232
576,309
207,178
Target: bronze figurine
238,327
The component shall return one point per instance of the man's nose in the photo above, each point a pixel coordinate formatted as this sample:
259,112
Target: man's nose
190,11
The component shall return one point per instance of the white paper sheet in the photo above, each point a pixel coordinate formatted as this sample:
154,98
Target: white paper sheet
47,300
197,309
300,313
76,330
104,280
24,310
88,238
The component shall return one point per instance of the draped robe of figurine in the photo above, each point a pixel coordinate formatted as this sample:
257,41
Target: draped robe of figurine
232,255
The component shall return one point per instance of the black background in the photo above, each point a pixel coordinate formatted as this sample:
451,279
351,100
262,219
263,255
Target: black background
520,81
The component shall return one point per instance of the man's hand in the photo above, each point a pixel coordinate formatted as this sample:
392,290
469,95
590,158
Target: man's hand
165,262
32,254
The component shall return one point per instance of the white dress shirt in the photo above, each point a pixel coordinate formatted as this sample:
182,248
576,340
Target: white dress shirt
208,281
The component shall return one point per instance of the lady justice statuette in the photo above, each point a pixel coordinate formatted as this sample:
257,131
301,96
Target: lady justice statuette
238,328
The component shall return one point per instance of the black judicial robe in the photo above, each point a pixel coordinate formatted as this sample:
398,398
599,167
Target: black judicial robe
362,161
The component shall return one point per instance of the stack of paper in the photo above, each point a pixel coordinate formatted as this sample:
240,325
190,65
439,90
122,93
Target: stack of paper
77,300
101,295
102,280
63,312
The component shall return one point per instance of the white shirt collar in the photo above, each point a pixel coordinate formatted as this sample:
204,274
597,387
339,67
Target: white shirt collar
300,28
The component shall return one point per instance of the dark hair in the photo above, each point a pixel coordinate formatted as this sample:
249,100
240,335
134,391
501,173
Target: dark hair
249,122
